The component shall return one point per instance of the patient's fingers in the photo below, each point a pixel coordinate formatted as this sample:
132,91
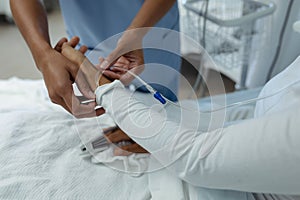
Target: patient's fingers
101,60
100,111
129,149
134,148
86,67
117,136
90,72
72,54
120,152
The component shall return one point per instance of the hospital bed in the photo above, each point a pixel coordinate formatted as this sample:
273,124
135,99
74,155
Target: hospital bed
39,151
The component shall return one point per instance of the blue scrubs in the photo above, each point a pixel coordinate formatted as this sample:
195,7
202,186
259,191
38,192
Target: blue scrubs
97,20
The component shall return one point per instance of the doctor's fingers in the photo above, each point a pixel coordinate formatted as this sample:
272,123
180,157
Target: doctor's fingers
71,103
59,44
132,63
61,92
60,101
97,112
73,43
123,74
77,109
112,75
130,41
83,49
61,75
112,58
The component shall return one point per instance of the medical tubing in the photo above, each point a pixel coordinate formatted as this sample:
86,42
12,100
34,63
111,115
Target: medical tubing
165,100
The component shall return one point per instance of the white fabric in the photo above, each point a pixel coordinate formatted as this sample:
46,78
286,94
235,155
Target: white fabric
88,129
296,26
258,155
43,163
39,152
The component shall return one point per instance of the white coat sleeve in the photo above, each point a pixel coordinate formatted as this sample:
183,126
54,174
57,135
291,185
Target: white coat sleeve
259,155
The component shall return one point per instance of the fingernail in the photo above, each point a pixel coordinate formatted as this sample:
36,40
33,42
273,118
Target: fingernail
104,65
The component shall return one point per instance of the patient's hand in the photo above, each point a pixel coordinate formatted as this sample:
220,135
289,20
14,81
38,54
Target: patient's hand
92,75
117,136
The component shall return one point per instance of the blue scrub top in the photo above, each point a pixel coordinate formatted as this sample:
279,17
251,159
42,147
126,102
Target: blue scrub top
97,20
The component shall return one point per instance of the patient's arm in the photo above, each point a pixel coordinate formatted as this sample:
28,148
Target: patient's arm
92,75
258,155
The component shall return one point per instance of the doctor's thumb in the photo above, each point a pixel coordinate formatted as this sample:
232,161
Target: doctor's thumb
110,59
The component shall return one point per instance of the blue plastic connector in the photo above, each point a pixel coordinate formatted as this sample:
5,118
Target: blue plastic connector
159,97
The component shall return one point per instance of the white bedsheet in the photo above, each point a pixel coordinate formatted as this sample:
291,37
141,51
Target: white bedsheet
39,157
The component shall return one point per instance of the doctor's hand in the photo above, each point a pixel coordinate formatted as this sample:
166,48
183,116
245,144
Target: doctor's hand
127,55
77,57
116,136
59,74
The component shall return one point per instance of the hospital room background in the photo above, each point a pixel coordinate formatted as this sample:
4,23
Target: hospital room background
250,41
274,41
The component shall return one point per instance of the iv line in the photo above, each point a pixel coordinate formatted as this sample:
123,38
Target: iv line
162,99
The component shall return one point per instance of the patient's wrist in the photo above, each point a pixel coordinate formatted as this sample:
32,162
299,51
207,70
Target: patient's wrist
85,66
106,89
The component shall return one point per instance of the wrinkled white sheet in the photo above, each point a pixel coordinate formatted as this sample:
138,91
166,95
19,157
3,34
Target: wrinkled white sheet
89,129
39,152
229,158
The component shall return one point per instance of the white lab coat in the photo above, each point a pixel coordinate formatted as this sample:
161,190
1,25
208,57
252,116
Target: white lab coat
260,155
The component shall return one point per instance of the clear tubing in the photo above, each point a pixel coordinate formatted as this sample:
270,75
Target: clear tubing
236,104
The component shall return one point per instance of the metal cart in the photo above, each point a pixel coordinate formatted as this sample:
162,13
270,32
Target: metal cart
225,28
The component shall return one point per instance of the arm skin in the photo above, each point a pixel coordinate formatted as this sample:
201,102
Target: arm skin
58,72
151,12
130,44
